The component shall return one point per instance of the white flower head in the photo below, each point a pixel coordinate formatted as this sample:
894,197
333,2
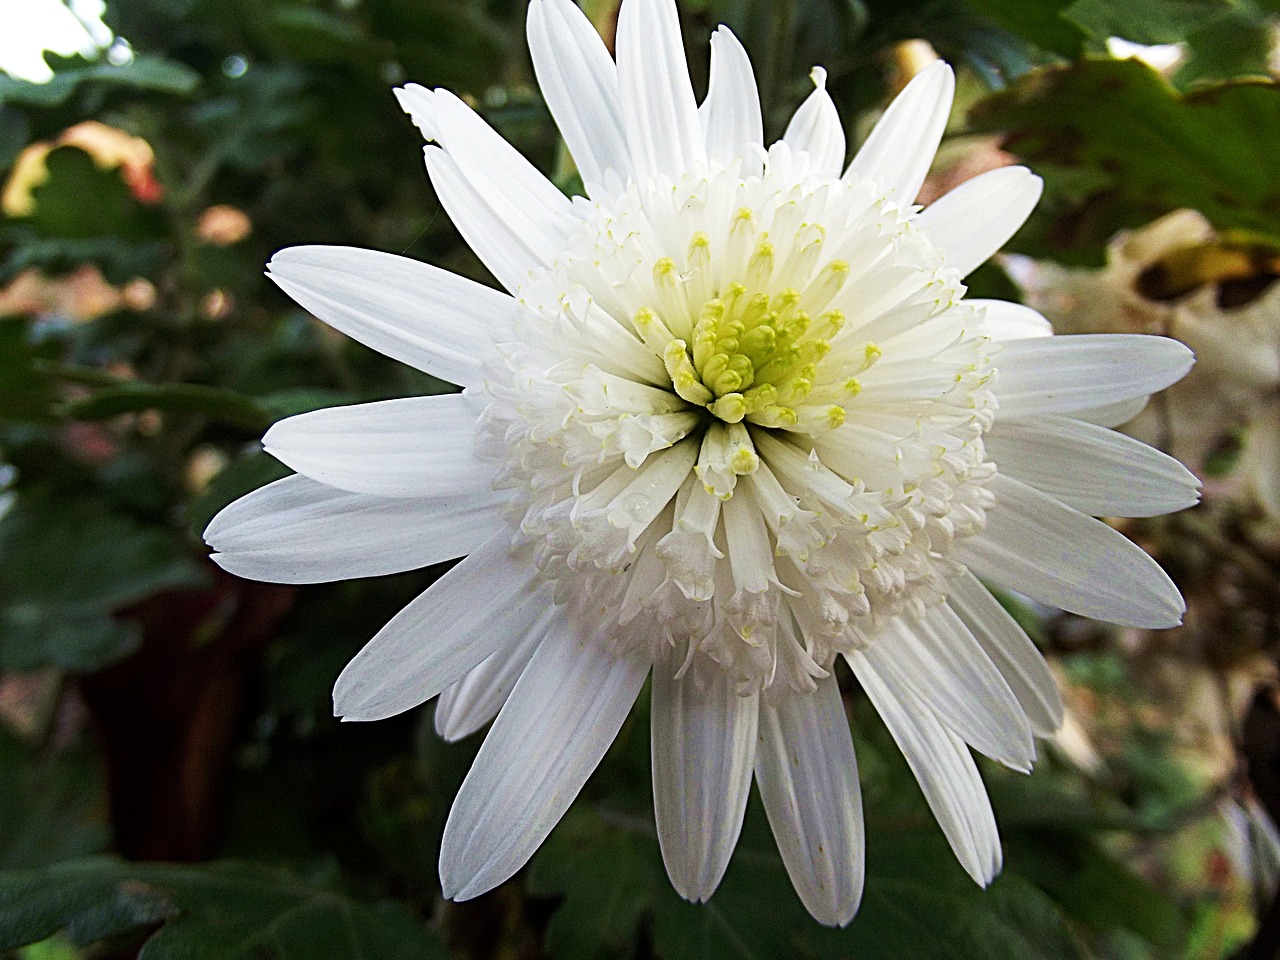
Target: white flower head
732,418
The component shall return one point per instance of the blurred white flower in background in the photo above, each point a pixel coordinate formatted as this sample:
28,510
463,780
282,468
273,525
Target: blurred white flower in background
30,27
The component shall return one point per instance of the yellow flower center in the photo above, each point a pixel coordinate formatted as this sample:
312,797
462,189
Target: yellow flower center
750,355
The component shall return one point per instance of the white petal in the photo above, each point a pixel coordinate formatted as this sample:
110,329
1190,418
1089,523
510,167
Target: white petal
468,704
533,204
1037,546
580,83
945,770
415,447
489,228
431,319
550,735
1011,650
816,129
298,531
1095,470
1113,414
808,777
1065,374
484,604
941,662
1012,321
897,154
704,746
978,217
658,109
730,114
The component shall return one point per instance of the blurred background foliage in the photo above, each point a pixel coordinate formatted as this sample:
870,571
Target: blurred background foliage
172,784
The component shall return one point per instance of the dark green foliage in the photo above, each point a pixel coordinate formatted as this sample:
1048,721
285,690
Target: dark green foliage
220,406
124,430
28,394
1145,21
219,911
68,567
1075,125
144,73
51,807
1041,22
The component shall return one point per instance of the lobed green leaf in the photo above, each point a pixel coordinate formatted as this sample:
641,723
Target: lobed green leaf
217,911
1118,146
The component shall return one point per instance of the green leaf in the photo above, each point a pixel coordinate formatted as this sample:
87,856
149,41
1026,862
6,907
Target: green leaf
220,405
84,213
314,36
1237,45
35,637
121,261
608,868
51,808
288,403
1037,21
15,131
155,74
1145,21
27,394
81,200
215,911
919,904
55,948
68,565
1209,150
607,878
732,925
1095,889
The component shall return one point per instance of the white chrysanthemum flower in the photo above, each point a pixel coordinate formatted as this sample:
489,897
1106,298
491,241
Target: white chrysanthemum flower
732,418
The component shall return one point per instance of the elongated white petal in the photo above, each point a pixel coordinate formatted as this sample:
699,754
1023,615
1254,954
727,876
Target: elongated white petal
704,746
484,604
298,531
532,203
1065,374
1096,470
550,735
808,777
1113,414
945,770
1059,556
1011,650
579,80
1012,321
415,447
938,660
659,112
431,319
488,227
815,128
468,704
730,114
978,217
900,149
